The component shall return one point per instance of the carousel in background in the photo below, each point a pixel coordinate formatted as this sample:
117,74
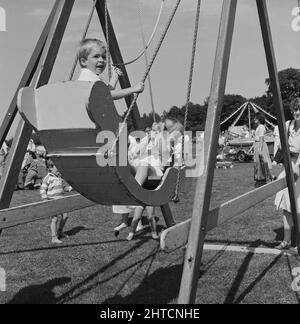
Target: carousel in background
236,143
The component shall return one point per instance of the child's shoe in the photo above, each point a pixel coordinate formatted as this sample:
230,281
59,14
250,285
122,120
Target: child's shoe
63,236
284,245
55,240
130,236
155,236
119,228
29,186
139,227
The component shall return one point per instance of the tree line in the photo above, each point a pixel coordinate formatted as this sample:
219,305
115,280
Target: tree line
289,80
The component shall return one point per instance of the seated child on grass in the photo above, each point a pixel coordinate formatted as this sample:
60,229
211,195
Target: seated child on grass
3,154
54,187
31,172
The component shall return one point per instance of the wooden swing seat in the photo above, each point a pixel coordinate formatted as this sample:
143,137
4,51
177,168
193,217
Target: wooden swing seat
67,117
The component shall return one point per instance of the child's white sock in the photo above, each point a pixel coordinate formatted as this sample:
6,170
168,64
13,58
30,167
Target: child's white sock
140,226
55,240
120,227
130,236
155,236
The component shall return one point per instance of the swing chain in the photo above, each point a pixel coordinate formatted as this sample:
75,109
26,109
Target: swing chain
189,89
146,46
136,95
146,59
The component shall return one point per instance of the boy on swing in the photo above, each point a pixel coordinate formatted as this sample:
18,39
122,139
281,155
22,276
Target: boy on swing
92,57
93,60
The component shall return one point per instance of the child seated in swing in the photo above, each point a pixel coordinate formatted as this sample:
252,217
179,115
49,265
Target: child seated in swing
124,211
161,150
92,59
136,150
31,168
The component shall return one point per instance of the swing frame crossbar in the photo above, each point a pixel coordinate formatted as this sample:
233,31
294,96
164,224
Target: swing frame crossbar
37,74
177,235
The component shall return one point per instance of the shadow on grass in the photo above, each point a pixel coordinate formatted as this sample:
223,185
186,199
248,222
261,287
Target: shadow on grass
230,298
88,284
161,287
74,231
39,294
62,246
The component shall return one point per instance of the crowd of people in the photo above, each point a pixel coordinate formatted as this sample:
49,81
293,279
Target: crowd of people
33,168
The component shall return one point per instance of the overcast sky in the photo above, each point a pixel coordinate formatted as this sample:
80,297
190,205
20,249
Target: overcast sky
247,71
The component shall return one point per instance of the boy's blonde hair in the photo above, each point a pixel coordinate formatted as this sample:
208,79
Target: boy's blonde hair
85,47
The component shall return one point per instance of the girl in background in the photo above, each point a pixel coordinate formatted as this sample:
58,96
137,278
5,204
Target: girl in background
262,160
282,200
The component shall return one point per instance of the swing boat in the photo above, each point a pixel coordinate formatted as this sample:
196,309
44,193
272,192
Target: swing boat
191,231
67,117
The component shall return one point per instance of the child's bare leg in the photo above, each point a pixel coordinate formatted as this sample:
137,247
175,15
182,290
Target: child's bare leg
138,211
62,223
288,225
125,219
141,174
152,222
53,226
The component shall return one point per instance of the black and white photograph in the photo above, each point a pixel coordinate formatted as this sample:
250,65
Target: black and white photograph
149,155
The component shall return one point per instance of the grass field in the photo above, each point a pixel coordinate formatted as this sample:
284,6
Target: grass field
92,266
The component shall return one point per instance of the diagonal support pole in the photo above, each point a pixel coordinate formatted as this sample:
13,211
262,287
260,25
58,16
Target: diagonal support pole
117,57
28,75
197,233
24,131
275,86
